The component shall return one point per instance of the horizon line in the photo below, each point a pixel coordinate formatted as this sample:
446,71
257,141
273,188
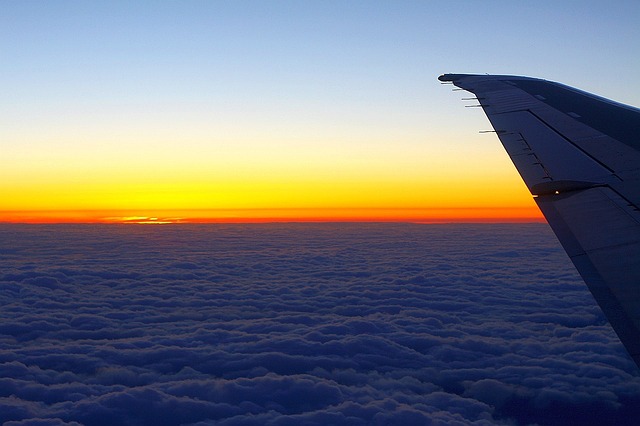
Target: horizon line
277,215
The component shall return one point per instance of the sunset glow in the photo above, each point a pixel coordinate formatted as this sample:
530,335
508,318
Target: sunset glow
212,112
443,215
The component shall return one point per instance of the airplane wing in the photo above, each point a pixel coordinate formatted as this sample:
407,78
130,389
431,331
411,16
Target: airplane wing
579,155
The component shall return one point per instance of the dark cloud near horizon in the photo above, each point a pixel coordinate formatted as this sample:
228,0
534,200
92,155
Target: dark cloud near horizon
286,324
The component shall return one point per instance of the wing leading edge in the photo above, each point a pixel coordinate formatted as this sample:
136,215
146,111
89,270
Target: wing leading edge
579,155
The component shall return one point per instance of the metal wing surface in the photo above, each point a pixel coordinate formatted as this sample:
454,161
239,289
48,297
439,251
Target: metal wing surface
579,155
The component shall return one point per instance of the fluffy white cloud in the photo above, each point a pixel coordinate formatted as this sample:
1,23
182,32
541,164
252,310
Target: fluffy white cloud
291,323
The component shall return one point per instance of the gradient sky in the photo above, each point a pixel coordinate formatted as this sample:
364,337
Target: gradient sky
285,109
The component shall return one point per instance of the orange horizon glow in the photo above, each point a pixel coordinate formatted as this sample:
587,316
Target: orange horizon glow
258,177
416,215
436,193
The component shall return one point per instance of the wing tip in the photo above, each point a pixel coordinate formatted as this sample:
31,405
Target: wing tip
451,77
456,77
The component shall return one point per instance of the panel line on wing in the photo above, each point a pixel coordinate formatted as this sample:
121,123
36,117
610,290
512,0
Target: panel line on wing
572,143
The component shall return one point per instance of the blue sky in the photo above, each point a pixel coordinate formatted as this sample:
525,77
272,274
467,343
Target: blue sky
284,43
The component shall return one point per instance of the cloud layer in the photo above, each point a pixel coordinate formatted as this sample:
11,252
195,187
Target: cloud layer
285,324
